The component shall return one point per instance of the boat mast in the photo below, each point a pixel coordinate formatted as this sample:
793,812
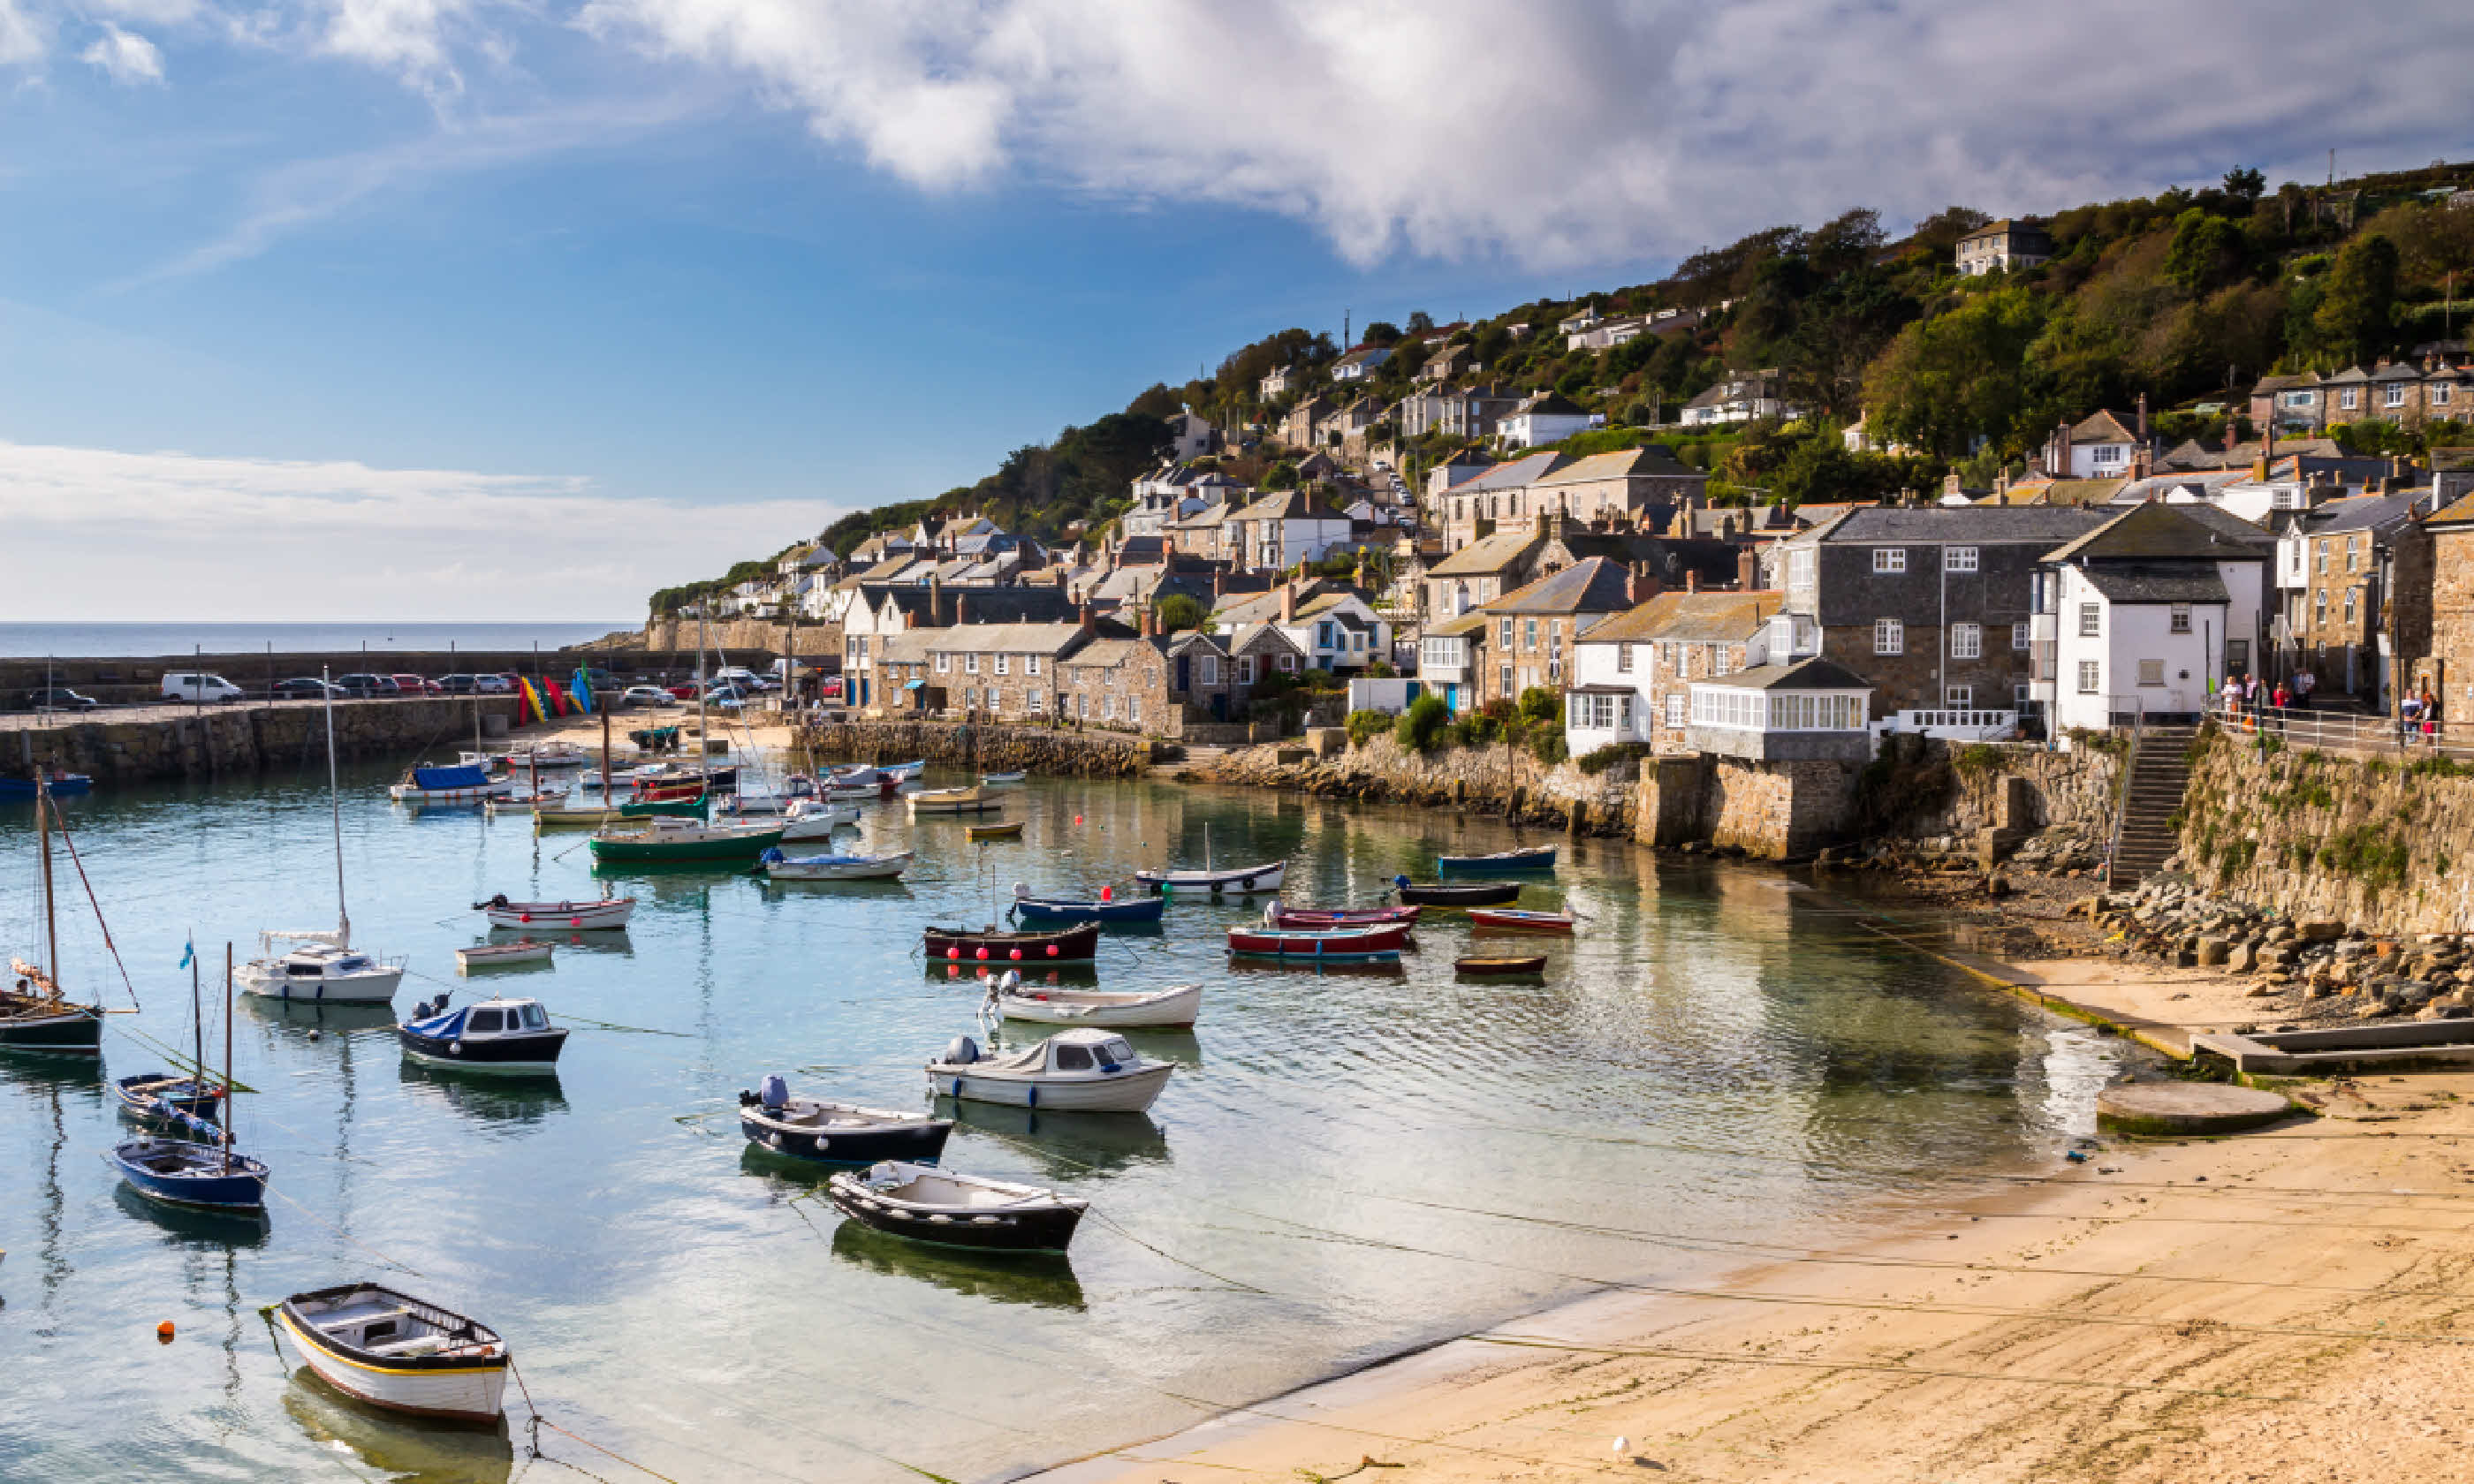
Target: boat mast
228,1040
702,755
606,784
51,919
335,816
197,1022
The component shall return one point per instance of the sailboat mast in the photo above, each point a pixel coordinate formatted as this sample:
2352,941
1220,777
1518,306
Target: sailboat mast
335,816
197,1020
702,755
51,918
227,1057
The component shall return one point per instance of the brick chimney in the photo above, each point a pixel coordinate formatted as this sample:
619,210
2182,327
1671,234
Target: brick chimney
1146,629
1288,601
1748,569
2143,416
1692,581
961,609
1087,618
935,599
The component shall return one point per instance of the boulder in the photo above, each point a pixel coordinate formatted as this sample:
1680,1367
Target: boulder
2319,930
2212,951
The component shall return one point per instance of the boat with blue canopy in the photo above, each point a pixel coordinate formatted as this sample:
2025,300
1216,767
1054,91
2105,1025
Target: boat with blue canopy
498,1035
465,784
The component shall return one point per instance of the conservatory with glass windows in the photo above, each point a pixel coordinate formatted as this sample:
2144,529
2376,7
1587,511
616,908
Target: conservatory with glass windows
1811,709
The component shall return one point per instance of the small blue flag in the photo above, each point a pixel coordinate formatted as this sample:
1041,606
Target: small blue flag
188,951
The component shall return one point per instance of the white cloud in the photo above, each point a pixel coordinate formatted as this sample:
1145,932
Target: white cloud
413,37
95,533
125,56
22,36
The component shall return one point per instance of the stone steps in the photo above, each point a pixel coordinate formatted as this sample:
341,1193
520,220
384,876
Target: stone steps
2151,796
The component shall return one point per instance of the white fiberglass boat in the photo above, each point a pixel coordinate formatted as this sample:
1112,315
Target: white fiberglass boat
1072,1071
1010,998
324,967
590,916
808,819
393,1351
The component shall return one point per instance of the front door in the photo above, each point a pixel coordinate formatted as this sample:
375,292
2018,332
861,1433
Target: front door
1220,705
1184,673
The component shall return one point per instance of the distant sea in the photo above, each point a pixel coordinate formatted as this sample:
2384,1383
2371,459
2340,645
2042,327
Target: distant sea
210,637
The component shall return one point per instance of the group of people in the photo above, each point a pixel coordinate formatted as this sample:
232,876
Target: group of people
2243,700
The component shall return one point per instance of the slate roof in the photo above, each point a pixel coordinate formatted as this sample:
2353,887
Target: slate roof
1289,504
1975,525
2157,582
1621,463
1487,554
1812,673
1689,618
1475,622
1517,474
984,605
2362,513
2161,532
1008,639
1595,586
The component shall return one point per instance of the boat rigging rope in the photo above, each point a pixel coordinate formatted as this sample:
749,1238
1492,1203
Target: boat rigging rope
346,1235
538,1422
113,949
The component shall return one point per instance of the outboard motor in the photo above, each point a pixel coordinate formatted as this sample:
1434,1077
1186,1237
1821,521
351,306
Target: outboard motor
773,1092
962,1051
1010,981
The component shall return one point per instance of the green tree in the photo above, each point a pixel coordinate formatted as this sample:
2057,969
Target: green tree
1157,400
1946,379
1421,323
1282,476
1381,333
2245,183
2207,253
1178,611
2357,310
2076,365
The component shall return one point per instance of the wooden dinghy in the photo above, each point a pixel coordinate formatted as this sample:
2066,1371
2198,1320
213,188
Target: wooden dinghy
1238,881
951,801
34,1016
1011,829
1079,943
607,914
1510,919
813,1128
526,803
951,1210
178,1172
1480,966
1174,1008
1476,893
1280,913
888,867
1352,943
393,1351
1536,858
994,779
162,1100
501,955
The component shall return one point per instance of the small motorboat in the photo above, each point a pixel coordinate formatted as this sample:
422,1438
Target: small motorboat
1241,881
1119,1009
903,772
162,1100
1527,966
324,969
180,1172
608,914
1476,893
995,779
1538,858
1079,943
1105,911
812,1128
1084,1070
59,783
469,784
393,1351
1512,919
929,1205
501,955
1280,913
661,840
859,785
833,868
814,819
497,1035
1348,944
951,801
1011,829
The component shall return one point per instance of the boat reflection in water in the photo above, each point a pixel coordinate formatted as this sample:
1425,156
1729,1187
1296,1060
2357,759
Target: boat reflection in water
608,944
968,971
301,1017
510,1100
1066,1145
1042,1279
1376,969
405,1450
195,1226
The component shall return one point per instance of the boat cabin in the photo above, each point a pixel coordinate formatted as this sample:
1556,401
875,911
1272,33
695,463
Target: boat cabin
490,1018
326,961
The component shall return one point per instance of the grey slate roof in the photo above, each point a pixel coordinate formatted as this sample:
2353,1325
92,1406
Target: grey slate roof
1811,674
1967,525
1593,585
2367,513
2159,531
2157,582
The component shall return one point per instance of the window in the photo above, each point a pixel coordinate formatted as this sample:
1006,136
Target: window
944,663
1206,669
2108,453
1108,708
2237,656
1799,567
1592,713
1083,705
1623,660
1959,559
1031,664
2323,554
1004,664
1958,698
1245,669
2180,620
1503,681
1324,636
2320,606
1503,639
1529,633
2017,636
2438,394
1037,701
1288,664
2088,672
1889,636
1675,708
2349,603
2091,620
971,664
970,699
2348,398
1134,710
1889,559
2151,672
2396,394
2353,554
1965,641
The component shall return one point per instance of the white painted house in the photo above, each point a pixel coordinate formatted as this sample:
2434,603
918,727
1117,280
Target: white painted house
1283,529
1546,418
2143,617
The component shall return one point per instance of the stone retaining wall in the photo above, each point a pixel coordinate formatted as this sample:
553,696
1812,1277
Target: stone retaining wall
215,741
1050,751
739,637
1503,777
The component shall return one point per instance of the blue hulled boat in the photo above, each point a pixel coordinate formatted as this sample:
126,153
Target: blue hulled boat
161,1100
180,1173
1110,913
1538,858
61,784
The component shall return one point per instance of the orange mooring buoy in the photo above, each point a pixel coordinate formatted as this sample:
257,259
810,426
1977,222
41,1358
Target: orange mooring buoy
164,1332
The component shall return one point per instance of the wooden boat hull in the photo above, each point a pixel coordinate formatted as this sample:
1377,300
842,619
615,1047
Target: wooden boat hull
1526,967
533,1054
914,1141
69,1030
1129,1091
1501,920
180,1105
467,1388
500,955
608,914
1138,909
828,868
960,800
1163,1010
61,785
1244,881
1347,943
1479,893
1041,1229
1311,919
181,1172
650,850
1012,830
1073,945
1541,858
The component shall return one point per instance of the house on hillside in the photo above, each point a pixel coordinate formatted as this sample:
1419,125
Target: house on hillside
2337,574
1448,364
2148,614
1498,497
2101,447
1998,246
1451,656
1480,572
1281,382
1630,486
1741,396
1533,628
1331,625
1283,529
1299,428
877,613
1633,672
1546,418
1360,363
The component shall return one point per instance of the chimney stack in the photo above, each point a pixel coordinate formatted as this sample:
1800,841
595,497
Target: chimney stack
1748,569
2143,416
961,609
1288,601
1692,581
935,599
1146,629
1088,619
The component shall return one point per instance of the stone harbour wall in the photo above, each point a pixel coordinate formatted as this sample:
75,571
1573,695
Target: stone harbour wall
1503,778
744,640
1057,751
215,741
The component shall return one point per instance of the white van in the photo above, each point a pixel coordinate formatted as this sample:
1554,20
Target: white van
197,685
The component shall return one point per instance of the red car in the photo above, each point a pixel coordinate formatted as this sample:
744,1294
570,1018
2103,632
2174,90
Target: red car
415,685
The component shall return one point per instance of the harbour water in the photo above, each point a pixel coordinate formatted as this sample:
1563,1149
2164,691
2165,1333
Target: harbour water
212,636
1346,1164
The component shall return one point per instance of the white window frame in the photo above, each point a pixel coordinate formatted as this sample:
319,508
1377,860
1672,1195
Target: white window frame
1004,664
1889,559
1037,701
1623,660
1959,559
1675,708
1958,698
944,663
1889,636
1031,664
1967,641
2091,620
2017,636
2151,674
971,662
2177,619
2091,677
1206,669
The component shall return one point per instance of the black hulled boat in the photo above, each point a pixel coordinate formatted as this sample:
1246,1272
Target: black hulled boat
1079,943
1472,894
507,1036
929,1205
812,1128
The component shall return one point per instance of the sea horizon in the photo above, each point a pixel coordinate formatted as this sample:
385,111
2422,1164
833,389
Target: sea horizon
96,639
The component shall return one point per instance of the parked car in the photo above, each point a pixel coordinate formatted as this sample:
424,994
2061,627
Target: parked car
59,697
647,695
416,686
728,698
748,681
305,688
197,685
494,684
686,692
368,687
459,684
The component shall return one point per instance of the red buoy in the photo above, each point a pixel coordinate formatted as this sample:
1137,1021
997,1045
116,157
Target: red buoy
1052,950
164,1332
953,952
1107,894
984,953
1014,953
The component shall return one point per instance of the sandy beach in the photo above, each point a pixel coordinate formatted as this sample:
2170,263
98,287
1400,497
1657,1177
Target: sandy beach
2288,1305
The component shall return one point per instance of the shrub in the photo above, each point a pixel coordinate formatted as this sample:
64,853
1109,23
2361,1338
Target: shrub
1600,759
1364,725
1977,761
1419,725
1548,746
1538,703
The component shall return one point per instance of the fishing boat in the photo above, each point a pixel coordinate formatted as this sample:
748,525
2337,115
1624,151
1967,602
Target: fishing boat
1011,829
162,1100
1238,881
498,1035
1079,943
1479,966
659,840
670,785
999,779
951,801
1538,858
182,1172
833,868
858,783
320,966
393,1351
1081,1070
814,819
903,772
501,955
1342,943
1512,919
1280,913
459,784
35,1015
1476,893
607,914
1177,1007
814,1128
60,785
928,1205
1108,911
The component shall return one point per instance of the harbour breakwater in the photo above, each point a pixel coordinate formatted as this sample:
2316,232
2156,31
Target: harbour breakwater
1502,780
208,742
1050,751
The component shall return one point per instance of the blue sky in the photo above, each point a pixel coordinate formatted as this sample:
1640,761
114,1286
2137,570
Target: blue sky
524,309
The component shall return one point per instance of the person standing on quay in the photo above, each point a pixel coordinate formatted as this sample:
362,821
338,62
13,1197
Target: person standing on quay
2304,683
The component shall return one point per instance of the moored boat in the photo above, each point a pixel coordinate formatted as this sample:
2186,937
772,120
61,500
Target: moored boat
182,1172
833,868
1175,1007
606,914
1238,881
393,1351
814,1128
1481,965
994,779
1106,910
1342,943
34,1016
525,802
501,955
1536,858
951,801
1476,893
812,818
1280,913
1077,944
903,772
1011,829
322,968
658,840
929,1205
1081,1070
1512,919
162,1100
498,1035
60,785
460,785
